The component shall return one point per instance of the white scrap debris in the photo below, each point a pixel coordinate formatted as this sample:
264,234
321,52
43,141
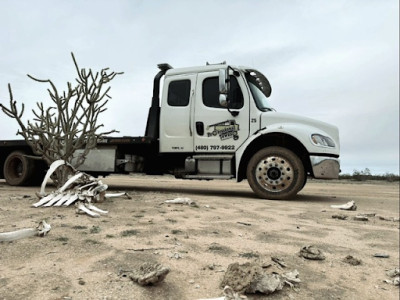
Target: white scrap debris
187,201
115,195
395,281
394,274
63,199
96,209
175,255
81,207
80,187
71,199
41,230
229,294
50,172
70,181
291,277
44,200
54,200
351,205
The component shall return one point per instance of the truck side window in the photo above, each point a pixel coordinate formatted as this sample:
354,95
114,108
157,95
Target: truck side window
179,93
211,93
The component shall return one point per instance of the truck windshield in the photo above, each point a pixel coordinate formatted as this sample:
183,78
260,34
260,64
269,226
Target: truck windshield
260,89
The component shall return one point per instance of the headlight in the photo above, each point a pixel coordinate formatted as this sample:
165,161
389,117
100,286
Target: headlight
321,140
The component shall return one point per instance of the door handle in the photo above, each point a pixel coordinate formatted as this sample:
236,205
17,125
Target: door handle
200,128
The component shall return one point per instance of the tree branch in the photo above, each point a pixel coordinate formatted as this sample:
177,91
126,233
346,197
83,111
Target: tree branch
71,123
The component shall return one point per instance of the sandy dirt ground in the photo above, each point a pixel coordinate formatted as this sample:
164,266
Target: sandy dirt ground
86,258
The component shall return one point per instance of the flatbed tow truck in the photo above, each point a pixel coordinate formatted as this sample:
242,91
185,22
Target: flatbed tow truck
213,122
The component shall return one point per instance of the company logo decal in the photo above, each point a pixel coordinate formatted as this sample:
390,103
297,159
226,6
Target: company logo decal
226,130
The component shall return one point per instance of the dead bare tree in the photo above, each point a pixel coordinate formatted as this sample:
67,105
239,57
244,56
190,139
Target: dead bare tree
70,123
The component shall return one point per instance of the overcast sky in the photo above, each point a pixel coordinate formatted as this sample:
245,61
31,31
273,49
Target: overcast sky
336,61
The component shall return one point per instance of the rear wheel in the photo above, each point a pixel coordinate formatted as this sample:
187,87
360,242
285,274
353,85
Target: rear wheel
18,169
275,173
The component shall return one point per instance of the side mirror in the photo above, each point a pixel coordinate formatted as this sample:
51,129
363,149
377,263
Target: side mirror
223,101
223,83
223,87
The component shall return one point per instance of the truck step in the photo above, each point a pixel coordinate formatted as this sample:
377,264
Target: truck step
213,157
207,176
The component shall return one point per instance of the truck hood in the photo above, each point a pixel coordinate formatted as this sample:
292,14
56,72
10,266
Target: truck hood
277,120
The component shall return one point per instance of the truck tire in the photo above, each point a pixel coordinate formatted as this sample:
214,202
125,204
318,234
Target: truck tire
275,173
304,183
18,169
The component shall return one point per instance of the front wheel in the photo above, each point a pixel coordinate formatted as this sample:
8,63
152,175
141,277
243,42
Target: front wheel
275,173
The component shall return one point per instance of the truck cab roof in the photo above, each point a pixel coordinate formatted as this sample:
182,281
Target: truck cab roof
200,69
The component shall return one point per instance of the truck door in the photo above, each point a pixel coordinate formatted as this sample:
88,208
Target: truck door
216,129
176,132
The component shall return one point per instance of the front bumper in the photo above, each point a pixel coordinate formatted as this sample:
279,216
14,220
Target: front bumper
325,167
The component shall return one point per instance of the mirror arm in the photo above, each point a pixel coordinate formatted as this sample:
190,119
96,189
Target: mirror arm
233,112
227,80
235,72
224,88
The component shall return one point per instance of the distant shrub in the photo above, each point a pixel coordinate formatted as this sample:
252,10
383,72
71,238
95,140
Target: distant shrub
365,174
391,177
362,175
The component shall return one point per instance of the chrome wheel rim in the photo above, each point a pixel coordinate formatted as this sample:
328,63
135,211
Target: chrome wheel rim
274,173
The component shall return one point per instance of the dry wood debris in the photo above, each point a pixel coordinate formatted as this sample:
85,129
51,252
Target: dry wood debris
381,255
339,217
252,278
311,252
360,218
148,274
352,260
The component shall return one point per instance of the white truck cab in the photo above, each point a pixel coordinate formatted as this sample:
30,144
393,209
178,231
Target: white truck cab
221,118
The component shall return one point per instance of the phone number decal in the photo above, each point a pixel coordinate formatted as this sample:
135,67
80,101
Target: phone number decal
214,147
